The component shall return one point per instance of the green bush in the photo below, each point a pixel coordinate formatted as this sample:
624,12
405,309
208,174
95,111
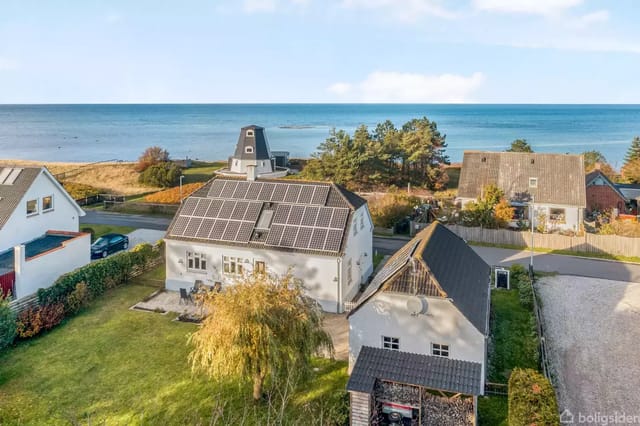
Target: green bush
89,230
7,323
77,299
525,292
517,273
389,209
35,320
532,400
164,175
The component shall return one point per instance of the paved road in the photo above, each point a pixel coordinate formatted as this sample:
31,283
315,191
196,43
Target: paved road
567,265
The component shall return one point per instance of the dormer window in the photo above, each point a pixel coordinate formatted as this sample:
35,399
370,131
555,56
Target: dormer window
248,150
250,133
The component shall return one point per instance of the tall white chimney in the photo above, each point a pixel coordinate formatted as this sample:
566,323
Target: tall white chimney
251,172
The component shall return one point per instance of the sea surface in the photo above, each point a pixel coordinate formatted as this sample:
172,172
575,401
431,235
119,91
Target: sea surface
210,131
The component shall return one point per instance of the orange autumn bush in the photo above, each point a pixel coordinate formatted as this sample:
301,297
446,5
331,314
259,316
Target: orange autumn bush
172,195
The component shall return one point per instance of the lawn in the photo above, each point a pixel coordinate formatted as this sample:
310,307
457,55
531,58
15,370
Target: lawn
111,365
99,230
201,171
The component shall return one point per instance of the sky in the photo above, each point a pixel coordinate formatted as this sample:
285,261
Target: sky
255,51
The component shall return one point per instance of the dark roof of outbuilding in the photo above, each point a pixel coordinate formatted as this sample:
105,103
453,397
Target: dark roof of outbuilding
431,372
561,178
10,195
439,264
258,142
286,215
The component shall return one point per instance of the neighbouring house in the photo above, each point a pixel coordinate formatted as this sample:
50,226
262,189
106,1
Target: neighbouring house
231,227
602,194
418,335
253,152
631,193
553,184
39,238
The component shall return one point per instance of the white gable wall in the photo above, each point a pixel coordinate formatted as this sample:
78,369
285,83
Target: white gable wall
20,228
320,274
358,249
386,314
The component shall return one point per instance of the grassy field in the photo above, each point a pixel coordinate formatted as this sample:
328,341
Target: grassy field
100,230
111,365
201,171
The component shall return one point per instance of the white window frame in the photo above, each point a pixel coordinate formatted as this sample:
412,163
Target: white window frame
533,182
232,266
248,150
392,343
34,212
250,133
440,349
196,262
52,205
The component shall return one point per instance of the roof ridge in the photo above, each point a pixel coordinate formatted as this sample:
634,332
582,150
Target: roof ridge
417,254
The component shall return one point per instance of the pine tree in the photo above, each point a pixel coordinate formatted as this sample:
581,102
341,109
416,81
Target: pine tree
633,153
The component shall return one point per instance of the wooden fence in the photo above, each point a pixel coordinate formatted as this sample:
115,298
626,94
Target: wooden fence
587,243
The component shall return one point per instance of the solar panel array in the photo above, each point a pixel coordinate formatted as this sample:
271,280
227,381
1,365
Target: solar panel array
222,220
270,192
308,227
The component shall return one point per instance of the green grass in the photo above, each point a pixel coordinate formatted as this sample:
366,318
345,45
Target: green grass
110,365
201,171
377,258
100,230
492,410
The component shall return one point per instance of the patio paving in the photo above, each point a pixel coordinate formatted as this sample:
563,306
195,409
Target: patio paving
168,301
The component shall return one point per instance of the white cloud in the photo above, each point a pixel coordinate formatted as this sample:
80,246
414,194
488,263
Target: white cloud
589,19
405,10
8,64
535,7
389,86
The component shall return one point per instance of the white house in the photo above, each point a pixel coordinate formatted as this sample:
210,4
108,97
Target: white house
417,336
231,227
39,238
553,183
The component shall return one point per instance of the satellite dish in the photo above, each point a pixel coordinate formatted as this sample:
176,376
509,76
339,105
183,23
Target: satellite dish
417,306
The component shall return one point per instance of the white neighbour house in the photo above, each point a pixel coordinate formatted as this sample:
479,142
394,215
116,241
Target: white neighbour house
421,326
39,239
231,227
553,183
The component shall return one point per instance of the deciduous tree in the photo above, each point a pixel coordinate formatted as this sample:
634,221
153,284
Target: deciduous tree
595,159
151,156
261,328
520,145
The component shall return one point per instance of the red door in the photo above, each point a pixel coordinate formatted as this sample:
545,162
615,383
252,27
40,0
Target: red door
6,283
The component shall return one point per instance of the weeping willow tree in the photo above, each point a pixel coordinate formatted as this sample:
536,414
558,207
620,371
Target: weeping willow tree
261,328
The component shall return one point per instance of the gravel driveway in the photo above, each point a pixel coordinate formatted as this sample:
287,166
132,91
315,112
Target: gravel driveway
593,337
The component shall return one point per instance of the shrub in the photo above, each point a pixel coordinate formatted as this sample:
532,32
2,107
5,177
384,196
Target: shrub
80,190
151,156
172,195
51,315
387,210
525,292
7,324
532,400
162,174
517,273
77,299
29,322
90,231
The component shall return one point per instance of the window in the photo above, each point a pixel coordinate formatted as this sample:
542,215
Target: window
438,349
32,207
196,261
232,265
391,343
248,149
47,203
250,133
355,228
557,215
533,182
259,267
349,273
362,222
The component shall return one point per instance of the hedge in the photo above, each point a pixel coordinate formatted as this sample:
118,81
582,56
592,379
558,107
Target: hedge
532,400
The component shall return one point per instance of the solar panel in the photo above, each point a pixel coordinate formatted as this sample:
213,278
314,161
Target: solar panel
203,206
310,215
317,239
267,190
306,194
227,209
205,228
320,195
292,194
189,207
253,212
193,226
231,231
253,191
295,216
279,192
324,217
244,233
216,188
239,210
214,208
282,212
304,238
229,188
179,226
218,229
289,236
275,234
241,190
339,218
334,240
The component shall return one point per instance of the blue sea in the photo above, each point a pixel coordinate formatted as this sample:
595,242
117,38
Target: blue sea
210,131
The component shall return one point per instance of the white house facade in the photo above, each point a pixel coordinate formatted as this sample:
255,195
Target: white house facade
230,227
423,320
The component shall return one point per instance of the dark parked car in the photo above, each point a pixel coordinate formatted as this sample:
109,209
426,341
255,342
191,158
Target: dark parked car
107,244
